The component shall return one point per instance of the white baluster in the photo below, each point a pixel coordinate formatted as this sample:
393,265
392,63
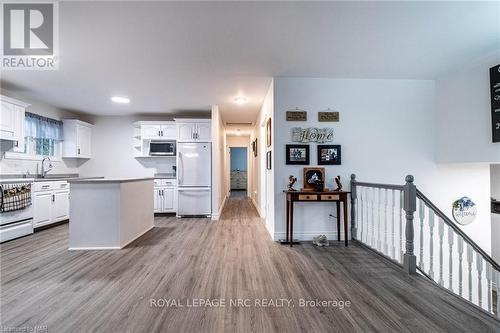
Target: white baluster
451,234
366,213
379,219
460,246
441,235
373,218
489,290
393,221
479,267
421,215
386,207
359,213
497,282
431,244
401,216
469,269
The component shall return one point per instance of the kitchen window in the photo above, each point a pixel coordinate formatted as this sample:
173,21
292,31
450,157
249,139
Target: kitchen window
43,137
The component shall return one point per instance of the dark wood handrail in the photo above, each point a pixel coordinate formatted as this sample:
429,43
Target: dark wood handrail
459,231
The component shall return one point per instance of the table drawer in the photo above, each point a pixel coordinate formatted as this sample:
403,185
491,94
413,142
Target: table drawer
327,197
311,197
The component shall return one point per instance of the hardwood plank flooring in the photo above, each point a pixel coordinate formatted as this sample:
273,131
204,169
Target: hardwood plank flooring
42,283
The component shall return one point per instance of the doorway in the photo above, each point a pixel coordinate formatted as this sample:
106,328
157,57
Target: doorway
238,171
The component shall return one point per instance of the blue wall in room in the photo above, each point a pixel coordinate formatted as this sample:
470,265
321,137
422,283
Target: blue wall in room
238,158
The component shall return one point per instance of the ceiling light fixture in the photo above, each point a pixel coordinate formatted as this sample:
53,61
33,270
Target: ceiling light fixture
120,99
240,100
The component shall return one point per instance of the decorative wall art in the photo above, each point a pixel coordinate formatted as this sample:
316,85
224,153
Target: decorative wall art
329,155
297,154
314,179
268,160
312,134
495,102
296,116
328,116
464,211
255,147
268,133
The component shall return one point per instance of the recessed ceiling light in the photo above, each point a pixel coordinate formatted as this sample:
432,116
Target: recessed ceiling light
241,100
120,99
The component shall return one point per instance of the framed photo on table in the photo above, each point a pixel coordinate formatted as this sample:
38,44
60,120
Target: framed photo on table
297,154
312,176
329,154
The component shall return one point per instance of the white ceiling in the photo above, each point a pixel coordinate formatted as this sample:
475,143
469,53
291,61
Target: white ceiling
173,57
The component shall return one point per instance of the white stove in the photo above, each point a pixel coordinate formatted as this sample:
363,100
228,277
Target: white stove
16,223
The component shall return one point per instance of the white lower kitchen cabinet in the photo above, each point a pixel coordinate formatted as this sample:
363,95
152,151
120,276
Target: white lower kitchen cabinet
165,196
50,202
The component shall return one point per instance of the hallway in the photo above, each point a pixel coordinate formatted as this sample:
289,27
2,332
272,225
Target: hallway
231,259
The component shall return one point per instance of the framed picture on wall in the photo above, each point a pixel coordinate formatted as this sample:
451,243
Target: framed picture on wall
297,154
255,147
268,133
268,160
329,155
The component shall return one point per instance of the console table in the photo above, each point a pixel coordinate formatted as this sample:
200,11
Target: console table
310,196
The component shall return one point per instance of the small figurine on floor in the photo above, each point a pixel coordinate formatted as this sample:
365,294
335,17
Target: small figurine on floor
321,240
291,182
339,184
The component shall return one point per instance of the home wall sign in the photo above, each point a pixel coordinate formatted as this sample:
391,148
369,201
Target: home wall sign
327,116
296,116
495,102
464,211
312,134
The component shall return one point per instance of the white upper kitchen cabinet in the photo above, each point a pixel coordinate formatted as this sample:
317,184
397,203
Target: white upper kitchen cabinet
153,130
77,139
193,130
12,114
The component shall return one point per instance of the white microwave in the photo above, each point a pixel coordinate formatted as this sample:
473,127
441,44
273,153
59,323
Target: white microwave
162,148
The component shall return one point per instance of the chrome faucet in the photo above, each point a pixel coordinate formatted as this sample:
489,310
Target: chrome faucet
44,172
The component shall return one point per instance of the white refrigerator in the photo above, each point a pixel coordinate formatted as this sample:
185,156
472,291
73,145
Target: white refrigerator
194,178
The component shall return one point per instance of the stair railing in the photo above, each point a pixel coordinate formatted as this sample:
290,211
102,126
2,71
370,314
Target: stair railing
384,218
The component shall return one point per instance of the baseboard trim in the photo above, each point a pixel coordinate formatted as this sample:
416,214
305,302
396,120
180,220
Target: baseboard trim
85,248
257,207
308,236
216,216
90,248
130,241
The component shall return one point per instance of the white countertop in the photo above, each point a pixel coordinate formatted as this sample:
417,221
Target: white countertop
107,180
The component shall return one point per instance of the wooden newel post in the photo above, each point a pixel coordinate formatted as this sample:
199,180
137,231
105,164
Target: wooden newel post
410,206
354,229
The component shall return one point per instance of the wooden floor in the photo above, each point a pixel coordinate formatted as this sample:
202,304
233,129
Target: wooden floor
42,283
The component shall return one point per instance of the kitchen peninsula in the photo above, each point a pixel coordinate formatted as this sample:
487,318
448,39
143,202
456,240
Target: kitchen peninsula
108,214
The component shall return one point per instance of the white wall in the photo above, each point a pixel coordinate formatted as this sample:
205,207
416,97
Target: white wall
495,218
386,131
112,151
262,183
11,166
219,189
464,114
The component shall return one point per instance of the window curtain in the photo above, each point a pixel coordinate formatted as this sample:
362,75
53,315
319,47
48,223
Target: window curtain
39,127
